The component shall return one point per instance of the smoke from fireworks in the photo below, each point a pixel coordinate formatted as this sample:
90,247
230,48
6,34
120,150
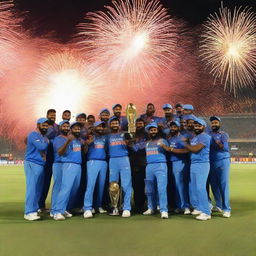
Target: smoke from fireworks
228,47
134,39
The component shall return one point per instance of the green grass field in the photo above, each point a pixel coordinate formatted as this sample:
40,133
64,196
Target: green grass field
138,235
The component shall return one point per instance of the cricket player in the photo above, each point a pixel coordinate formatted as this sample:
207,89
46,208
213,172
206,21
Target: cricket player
119,164
188,109
71,158
52,132
156,171
96,169
117,111
220,167
66,115
35,157
149,117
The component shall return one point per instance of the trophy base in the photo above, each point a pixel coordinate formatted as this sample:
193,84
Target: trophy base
115,212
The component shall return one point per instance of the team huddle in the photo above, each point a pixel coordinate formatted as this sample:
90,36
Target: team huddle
168,164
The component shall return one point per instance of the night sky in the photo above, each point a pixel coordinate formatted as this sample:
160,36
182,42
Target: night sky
59,17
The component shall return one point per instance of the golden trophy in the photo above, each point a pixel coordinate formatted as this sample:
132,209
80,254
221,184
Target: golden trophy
114,194
131,115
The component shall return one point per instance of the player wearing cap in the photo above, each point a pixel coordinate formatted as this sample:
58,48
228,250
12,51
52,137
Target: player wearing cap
59,141
96,169
180,167
199,170
119,164
117,111
156,171
149,117
35,157
52,132
81,118
188,133
220,167
71,158
178,110
168,117
188,109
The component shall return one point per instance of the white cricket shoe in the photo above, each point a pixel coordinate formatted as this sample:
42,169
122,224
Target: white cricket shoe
196,212
226,214
126,214
51,215
101,210
164,215
67,214
88,214
32,216
216,209
148,212
58,216
93,211
187,211
203,216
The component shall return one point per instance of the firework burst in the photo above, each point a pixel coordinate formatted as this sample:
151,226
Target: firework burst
228,47
134,39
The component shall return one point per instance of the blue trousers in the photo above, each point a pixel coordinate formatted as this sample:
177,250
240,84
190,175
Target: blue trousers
198,176
219,182
180,170
71,175
156,172
96,169
34,185
57,178
120,166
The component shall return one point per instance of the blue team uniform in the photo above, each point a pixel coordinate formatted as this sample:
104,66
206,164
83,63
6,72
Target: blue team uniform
96,169
119,164
156,170
34,167
150,119
58,142
180,169
220,169
71,175
199,171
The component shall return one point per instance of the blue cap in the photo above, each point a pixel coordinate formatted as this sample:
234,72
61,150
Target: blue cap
215,118
117,104
75,123
104,110
167,105
150,125
42,120
63,122
177,123
188,107
99,123
189,117
81,115
201,121
112,118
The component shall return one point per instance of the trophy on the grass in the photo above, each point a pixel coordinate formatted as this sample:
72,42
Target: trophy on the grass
131,115
114,194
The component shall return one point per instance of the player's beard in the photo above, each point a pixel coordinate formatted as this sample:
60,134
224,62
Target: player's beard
64,132
173,133
50,122
215,128
76,134
140,130
153,136
118,114
198,131
114,129
168,115
99,132
43,131
190,128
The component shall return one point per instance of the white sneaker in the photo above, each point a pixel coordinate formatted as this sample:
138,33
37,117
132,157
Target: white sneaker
216,209
196,212
148,212
58,216
203,216
126,214
51,215
164,215
93,211
88,214
67,214
226,214
32,216
187,211
101,210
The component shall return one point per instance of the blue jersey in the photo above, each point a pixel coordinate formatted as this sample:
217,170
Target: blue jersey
155,153
215,152
188,134
58,142
164,121
123,123
73,153
177,142
36,149
150,119
97,149
116,145
203,155
52,132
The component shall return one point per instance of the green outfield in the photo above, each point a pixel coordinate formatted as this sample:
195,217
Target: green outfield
138,235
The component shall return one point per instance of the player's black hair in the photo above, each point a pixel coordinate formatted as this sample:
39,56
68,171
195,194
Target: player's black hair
150,104
51,110
66,111
140,120
118,105
90,116
178,105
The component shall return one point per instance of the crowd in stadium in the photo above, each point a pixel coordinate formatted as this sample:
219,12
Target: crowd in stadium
169,164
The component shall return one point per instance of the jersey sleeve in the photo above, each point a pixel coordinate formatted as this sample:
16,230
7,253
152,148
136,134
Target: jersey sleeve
203,139
40,143
224,140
